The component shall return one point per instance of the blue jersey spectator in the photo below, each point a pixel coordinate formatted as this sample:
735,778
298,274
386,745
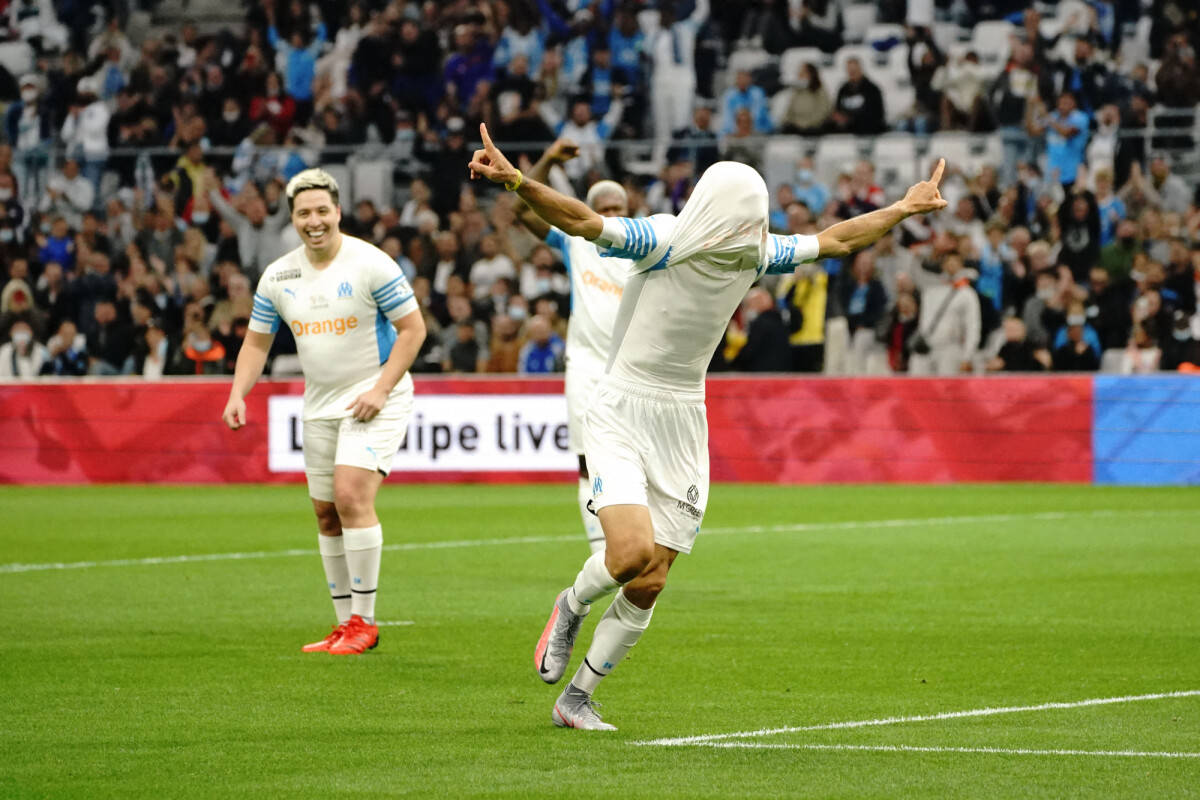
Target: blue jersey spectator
1089,334
744,94
544,352
521,39
1066,139
810,191
297,60
627,43
1112,211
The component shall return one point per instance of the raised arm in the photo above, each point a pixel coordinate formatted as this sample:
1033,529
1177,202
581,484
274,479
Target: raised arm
854,234
560,152
571,216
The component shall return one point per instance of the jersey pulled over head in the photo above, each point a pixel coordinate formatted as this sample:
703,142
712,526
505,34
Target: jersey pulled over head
725,220
688,275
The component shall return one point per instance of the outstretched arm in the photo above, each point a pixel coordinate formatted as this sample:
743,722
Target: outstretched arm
569,215
854,234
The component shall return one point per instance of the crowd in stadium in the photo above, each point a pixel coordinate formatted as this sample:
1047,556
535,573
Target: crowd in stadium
141,182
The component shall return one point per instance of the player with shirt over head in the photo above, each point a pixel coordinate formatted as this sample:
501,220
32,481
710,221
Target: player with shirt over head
596,287
645,431
357,328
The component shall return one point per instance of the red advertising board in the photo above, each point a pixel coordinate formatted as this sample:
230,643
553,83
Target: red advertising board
773,430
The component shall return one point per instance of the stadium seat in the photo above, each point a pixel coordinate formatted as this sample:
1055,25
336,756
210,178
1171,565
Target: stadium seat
898,100
779,104
1114,361
836,154
954,147
946,34
832,79
883,31
341,174
16,57
990,40
895,160
868,56
793,59
897,61
856,19
779,160
747,59
373,181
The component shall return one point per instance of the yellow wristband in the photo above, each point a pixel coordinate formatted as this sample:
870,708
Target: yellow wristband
512,187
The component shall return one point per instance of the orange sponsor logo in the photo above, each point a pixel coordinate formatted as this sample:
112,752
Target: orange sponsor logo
337,326
603,284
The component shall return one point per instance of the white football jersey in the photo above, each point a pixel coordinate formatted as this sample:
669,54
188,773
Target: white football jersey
690,273
341,317
596,287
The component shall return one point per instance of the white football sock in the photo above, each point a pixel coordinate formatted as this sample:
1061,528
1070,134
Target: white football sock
363,547
616,632
592,583
591,523
333,556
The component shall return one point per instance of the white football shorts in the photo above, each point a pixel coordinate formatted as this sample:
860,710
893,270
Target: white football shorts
371,445
581,387
647,447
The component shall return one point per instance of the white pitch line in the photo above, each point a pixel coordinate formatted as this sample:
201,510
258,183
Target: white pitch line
802,527
905,748
865,723
398,622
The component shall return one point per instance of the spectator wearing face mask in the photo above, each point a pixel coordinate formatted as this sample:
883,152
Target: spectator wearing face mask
22,356
28,124
67,352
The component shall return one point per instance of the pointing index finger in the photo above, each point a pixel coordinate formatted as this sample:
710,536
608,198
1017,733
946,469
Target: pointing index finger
487,140
937,172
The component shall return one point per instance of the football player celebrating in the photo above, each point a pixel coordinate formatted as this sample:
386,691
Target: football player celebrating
645,431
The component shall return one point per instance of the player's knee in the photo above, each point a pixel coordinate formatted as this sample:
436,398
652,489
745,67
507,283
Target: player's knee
328,521
350,502
628,560
644,594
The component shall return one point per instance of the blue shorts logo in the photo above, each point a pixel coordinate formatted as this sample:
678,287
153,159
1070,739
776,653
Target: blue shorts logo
345,290
597,486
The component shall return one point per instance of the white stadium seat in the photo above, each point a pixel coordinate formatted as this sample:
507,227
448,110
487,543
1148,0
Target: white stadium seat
895,160
373,181
341,174
954,147
856,19
868,56
779,160
990,40
898,100
748,60
836,154
796,57
779,104
946,34
882,31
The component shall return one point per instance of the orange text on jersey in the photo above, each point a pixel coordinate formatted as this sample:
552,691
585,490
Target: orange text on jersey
336,326
592,279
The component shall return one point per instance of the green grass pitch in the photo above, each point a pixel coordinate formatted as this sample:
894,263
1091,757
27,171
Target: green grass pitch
800,607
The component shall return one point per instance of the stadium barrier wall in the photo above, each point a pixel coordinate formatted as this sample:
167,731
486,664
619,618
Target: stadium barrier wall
1113,430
